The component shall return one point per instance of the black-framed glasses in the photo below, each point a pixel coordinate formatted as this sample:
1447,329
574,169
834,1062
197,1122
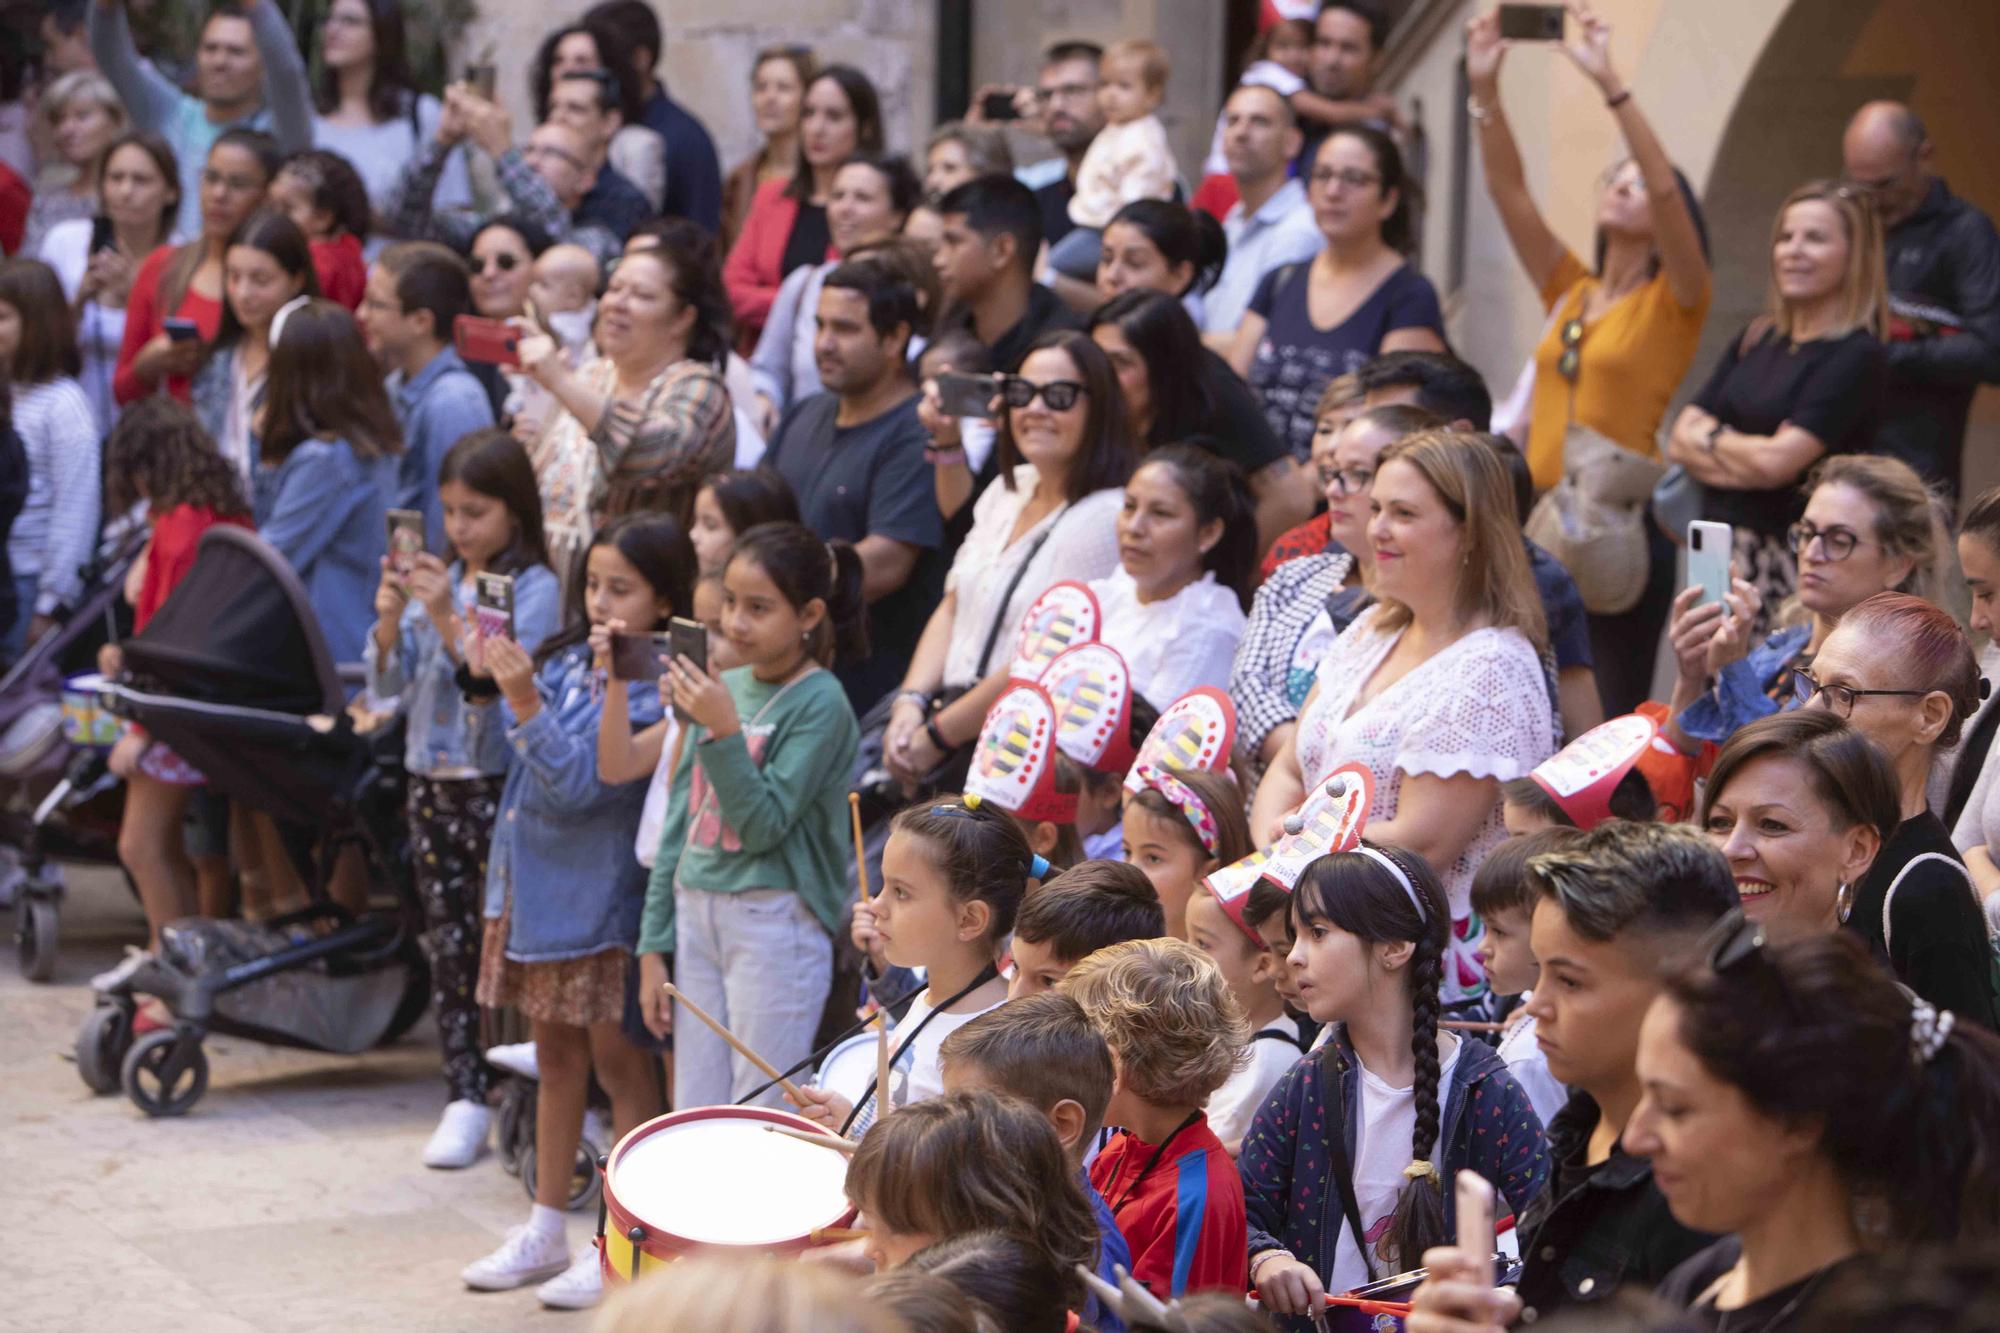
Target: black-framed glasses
1058,395
1838,543
1732,940
1572,353
1840,698
1349,178
1348,480
506,263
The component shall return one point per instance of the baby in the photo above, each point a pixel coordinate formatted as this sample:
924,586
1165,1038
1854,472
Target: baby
564,290
1129,159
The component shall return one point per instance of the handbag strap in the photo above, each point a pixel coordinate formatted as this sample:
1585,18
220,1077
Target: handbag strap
1333,1084
1889,898
1014,583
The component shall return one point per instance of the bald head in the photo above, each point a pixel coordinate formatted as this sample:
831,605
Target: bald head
1886,152
1260,136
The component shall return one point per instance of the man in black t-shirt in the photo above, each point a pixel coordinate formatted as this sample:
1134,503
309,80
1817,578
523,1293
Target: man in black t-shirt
986,266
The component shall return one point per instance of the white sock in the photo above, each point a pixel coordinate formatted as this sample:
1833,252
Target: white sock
546,1221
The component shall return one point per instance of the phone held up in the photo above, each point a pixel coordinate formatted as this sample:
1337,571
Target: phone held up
1532,23
1709,546
103,235
493,607
406,540
492,341
968,395
999,105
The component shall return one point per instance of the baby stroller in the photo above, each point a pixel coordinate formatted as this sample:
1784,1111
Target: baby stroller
58,801
234,676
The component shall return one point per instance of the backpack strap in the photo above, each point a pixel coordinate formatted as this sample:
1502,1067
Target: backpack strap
1889,898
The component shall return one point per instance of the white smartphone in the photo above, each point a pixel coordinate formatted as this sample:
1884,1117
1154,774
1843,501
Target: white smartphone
1474,1205
1709,546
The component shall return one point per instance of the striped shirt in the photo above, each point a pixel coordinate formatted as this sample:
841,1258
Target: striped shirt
1180,1210
53,536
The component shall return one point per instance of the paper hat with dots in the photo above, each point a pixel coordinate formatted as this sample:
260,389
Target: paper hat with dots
1092,692
1064,616
1014,761
1330,820
1581,776
1197,731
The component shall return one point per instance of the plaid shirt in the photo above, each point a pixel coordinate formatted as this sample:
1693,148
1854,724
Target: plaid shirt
1287,604
409,209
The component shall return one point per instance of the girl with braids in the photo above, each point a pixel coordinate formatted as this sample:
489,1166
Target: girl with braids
1389,1108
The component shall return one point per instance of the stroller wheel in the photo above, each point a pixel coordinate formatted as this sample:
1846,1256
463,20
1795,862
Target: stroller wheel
584,1180
517,1113
166,1072
101,1045
35,926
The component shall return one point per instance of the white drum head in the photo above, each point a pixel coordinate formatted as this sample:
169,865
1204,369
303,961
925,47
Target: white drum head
729,1181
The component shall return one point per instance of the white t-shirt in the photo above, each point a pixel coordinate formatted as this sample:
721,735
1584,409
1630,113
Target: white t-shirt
653,815
1530,1068
916,1076
1381,1151
1171,646
1232,1106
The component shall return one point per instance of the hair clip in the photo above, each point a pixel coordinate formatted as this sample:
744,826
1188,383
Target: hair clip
1929,1026
1038,866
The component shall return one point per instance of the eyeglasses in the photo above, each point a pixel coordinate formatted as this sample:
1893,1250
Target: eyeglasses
1572,354
1069,92
1840,698
1324,178
1347,480
505,263
1838,543
1058,395
1733,940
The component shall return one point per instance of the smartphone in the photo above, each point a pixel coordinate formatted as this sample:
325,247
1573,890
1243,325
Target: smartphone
482,78
1709,546
181,330
999,105
968,395
406,540
640,656
1475,1220
493,606
1532,23
489,340
103,235
689,639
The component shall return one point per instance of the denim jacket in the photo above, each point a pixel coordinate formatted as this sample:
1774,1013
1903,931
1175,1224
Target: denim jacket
437,737
562,840
1739,695
325,509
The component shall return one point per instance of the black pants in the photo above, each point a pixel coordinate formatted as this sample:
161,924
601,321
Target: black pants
1622,647
451,827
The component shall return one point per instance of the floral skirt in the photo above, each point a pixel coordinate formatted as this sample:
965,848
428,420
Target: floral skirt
577,991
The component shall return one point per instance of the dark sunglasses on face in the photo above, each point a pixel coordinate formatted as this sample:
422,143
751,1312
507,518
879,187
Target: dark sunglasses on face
506,263
1058,395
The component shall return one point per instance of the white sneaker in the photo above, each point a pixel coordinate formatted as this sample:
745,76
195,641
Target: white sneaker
460,1135
597,1136
517,1059
579,1287
135,958
527,1255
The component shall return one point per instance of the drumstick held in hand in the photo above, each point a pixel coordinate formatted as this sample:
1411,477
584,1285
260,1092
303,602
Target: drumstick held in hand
881,1065
769,1070
860,856
833,1235
827,1139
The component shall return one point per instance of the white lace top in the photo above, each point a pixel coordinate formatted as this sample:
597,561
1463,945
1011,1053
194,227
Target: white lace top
1171,647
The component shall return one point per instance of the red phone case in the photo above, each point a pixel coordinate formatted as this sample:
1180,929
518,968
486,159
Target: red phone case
488,340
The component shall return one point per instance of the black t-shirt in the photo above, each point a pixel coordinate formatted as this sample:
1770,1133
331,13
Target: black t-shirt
1789,1309
1235,419
809,239
1832,387
1053,199
1045,312
1937,944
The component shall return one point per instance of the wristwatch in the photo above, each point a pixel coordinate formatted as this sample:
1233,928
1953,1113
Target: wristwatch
937,737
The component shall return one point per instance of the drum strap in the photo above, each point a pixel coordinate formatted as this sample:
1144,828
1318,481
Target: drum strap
815,1057
987,974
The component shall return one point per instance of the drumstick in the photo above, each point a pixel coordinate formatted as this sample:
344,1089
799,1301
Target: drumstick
1467,1025
860,856
831,1235
881,1065
826,1139
770,1071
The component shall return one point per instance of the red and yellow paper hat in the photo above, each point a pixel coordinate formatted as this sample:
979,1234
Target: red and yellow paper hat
1198,730
1330,820
1064,616
1581,776
1092,691
1014,760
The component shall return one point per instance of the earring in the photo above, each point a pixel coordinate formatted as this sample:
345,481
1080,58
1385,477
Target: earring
1843,902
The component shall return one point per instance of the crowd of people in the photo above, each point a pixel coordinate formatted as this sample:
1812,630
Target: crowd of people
1145,668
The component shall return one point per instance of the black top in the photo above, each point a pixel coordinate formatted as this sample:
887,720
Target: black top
1832,387
1045,312
808,240
1786,1309
1053,199
1596,1227
613,203
1235,419
1937,942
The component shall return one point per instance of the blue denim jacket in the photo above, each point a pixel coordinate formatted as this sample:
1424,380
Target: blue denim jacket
325,510
437,737
437,406
562,840
1739,696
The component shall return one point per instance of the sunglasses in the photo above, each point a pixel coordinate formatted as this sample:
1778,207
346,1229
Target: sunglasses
506,263
1572,354
1840,698
1058,395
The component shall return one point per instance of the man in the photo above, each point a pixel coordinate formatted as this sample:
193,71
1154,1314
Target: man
986,266
549,182
855,458
415,292
248,74
587,102
1271,224
1346,55
1062,108
1943,266
694,173
65,39
1614,914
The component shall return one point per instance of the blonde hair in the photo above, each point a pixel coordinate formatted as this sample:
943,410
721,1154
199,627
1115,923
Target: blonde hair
1497,587
86,85
1154,67
729,1295
1910,519
1863,287
1166,1013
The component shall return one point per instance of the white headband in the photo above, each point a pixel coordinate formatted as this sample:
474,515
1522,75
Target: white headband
1416,900
284,313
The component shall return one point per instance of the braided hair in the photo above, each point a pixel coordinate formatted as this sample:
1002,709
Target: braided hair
1357,893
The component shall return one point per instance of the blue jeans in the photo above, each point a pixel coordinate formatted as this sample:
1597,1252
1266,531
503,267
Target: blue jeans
16,640
759,962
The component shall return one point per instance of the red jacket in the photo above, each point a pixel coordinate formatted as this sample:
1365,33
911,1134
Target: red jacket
342,272
143,323
755,266
15,199
1184,1216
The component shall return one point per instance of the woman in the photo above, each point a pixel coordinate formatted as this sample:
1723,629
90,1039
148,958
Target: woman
641,424
1161,246
84,115
1798,1104
637,152
366,110
1052,516
786,227
1621,335
1438,687
957,152
1972,802
1801,382
871,197
1902,671
185,282
1177,389
139,183
327,468
778,82
267,265
1358,298
55,533
503,264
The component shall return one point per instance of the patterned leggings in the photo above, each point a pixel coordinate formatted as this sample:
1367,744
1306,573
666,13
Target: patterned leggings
451,826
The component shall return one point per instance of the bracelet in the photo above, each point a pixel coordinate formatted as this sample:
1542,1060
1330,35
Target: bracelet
1259,1260
917,697
1615,102
938,457
937,737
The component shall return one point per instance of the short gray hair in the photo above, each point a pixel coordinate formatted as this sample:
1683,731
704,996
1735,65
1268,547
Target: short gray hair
1657,879
82,84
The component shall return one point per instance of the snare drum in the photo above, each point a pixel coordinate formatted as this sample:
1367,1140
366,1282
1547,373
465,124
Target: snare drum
83,722
849,1068
713,1178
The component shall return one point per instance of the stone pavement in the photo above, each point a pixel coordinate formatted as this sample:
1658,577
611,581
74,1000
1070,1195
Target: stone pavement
291,1197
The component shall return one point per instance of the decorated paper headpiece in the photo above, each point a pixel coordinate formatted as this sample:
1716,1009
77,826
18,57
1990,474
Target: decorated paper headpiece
1092,691
1014,761
1581,776
1064,616
1198,730
1329,821
1166,781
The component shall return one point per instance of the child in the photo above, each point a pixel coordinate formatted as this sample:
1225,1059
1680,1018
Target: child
563,896
953,874
730,504
747,887
1175,1034
1180,825
564,290
1010,1283
493,521
926,1303
323,194
1043,1050
1371,927
1597,776
1501,897
1080,911
1129,159
1250,970
971,1161
1278,61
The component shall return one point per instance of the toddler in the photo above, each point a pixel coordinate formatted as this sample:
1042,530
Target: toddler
323,194
1129,159
564,291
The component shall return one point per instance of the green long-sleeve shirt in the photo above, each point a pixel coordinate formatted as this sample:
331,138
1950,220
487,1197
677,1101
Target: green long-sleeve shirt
765,808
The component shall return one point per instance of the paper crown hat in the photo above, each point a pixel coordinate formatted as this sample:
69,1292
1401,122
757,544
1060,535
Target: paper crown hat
1014,760
1329,821
1092,691
1581,776
1064,616
1198,730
